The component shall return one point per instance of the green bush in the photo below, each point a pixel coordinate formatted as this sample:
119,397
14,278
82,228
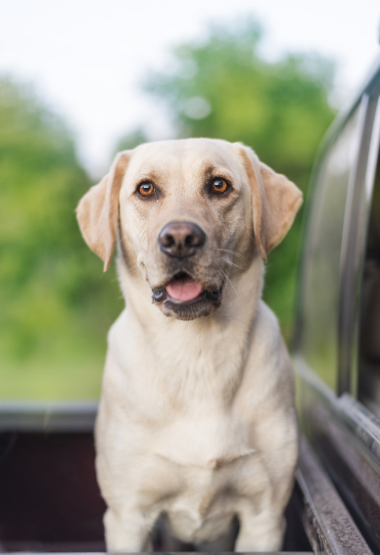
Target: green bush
55,304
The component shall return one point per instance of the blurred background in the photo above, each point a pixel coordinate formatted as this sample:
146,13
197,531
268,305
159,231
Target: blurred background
82,79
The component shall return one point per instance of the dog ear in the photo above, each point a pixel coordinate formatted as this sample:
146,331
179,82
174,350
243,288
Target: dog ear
276,201
97,211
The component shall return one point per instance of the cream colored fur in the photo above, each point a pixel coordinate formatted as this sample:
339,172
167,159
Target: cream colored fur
196,418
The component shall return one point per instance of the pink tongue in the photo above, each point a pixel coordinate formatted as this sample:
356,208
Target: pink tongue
184,289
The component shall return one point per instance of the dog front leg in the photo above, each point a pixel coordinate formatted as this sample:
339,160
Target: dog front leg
126,532
259,532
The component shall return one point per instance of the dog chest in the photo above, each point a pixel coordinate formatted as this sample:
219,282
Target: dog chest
208,497
207,438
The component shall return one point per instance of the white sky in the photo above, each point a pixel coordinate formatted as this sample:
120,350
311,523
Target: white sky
87,57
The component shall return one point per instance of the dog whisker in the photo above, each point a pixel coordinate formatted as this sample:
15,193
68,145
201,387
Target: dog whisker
228,261
231,252
225,276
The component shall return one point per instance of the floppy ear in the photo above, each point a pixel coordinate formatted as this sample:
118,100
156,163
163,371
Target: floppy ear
276,201
97,211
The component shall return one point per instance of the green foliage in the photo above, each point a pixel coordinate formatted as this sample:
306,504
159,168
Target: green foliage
222,88
51,285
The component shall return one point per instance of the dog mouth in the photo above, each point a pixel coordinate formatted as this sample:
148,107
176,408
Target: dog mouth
184,290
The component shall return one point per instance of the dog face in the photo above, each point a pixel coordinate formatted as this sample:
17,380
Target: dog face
191,219
191,215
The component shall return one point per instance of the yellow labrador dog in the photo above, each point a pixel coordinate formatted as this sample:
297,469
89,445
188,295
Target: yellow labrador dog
196,419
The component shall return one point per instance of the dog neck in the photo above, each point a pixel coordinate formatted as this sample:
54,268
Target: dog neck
191,354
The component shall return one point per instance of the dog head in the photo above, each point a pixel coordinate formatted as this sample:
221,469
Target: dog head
191,214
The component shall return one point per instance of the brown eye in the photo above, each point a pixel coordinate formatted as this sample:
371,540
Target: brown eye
219,186
146,189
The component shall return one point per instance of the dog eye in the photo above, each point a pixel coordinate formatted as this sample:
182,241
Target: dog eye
219,186
146,189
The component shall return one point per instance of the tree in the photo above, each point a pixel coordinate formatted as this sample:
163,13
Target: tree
51,285
223,88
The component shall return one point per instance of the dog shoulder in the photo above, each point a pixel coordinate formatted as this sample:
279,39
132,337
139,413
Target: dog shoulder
117,357
267,342
268,375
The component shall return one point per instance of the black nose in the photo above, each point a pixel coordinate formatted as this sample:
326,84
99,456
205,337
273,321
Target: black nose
181,239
